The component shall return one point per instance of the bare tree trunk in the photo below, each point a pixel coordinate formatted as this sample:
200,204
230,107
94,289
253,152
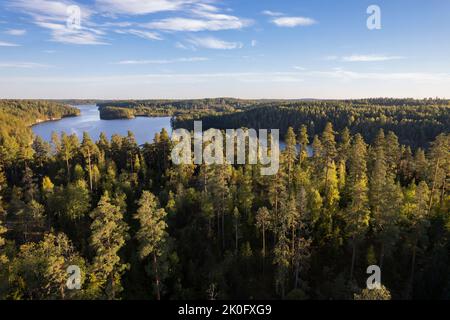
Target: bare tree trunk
236,234
297,275
68,169
264,242
155,266
413,265
353,258
223,230
381,255
90,170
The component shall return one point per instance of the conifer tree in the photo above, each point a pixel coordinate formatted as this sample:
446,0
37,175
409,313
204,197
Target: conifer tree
108,236
357,215
439,172
236,216
290,157
263,224
417,210
3,258
303,141
152,232
89,150
69,148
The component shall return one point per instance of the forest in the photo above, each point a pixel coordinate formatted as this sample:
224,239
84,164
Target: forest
158,108
415,122
374,192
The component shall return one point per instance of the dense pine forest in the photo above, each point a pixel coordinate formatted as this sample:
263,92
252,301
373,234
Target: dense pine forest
415,122
374,191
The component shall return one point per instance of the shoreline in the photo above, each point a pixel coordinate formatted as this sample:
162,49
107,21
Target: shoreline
39,121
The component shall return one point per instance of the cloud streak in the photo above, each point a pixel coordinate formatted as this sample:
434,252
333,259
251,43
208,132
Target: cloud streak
142,34
8,44
163,61
271,13
22,65
53,16
16,32
214,43
370,58
290,22
195,25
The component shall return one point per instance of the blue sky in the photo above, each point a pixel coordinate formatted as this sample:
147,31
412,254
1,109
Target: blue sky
136,49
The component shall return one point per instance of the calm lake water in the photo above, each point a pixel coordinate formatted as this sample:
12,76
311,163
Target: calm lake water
144,128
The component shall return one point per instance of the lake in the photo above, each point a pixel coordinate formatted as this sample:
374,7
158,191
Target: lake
144,128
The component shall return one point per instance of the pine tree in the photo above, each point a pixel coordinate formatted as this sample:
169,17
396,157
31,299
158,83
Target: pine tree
303,141
3,258
420,165
108,236
392,152
439,172
103,144
289,157
417,211
386,219
42,151
39,271
344,145
245,193
358,212
219,188
152,232
68,149
89,151
282,257
263,224
236,216
373,294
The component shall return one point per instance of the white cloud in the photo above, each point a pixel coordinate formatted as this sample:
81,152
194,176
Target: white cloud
194,25
48,10
342,74
25,65
197,15
142,34
83,36
179,45
8,44
291,22
163,61
16,32
53,15
299,68
272,13
254,43
369,58
140,7
214,43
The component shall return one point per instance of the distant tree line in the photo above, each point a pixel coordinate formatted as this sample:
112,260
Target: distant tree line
415,122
